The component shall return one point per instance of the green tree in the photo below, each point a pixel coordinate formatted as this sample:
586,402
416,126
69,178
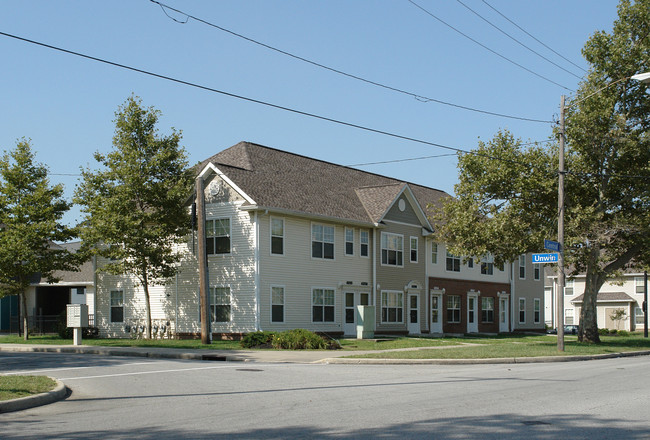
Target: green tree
506,200
31,211
135,206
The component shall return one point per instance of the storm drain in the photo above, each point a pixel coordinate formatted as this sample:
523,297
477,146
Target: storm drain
213,357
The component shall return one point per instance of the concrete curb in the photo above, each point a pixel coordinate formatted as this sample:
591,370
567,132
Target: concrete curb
58,393
522,360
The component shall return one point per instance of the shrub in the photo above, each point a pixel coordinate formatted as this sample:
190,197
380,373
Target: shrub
613,331
623,333
603,331
299,339
257,339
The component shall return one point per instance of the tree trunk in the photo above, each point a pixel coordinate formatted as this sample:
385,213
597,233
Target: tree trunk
588,329
147,302
23,300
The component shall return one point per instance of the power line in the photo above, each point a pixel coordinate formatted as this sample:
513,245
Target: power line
531,36
400,160
417,96
515,40
265,103
487,48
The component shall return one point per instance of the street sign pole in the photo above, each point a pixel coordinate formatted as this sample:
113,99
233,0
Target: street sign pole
560,234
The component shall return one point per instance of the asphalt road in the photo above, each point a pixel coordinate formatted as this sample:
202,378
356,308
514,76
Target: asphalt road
140,398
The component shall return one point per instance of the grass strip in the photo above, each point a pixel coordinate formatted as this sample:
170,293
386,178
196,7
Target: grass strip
14,387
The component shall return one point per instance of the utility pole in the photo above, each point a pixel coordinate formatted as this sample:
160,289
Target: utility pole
560,234
645,303
206,337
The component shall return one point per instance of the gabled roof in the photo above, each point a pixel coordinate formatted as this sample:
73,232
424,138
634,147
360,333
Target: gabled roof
277,179
608,297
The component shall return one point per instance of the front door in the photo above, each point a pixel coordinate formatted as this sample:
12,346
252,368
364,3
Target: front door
472,319
352,300
436,313
414,314
503,315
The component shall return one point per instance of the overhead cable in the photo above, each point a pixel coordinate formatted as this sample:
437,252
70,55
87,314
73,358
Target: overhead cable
417,96
487,48
257,101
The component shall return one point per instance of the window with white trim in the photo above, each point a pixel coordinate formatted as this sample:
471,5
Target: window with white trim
364,241
277,236
522,267
349,241
414,249
217,236
487,266
80,290
568,287
568,316
392,249
453,262
117,306
522,310
453,309
220,304
434,253
639,287
537,310
638,316
277,303
487,309
322,241
322,302
392,307
470,262
537,272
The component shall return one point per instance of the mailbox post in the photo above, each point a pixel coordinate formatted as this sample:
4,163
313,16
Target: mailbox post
77,319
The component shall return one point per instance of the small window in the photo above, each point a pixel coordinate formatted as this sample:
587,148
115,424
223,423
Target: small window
453,309
277,236
453,263
470,262
392,249
80,290
434,253
537,311
639,285
322,242
568,316
364,239
522,311
487,309
392,307
217,234
487,267
117,306
522,267
220,304
435,316
536,272
568,287
349,241
414,249
277,304
322,305
639,318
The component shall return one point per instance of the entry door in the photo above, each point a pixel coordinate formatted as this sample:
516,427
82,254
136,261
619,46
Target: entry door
472,311
352,300
414,314
503,315
436,313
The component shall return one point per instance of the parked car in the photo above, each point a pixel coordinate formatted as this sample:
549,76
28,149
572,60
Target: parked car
570,329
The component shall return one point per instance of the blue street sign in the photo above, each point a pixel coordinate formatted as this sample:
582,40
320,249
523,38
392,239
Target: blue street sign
545,258
552,245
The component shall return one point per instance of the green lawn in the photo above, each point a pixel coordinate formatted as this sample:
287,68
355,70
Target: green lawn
14,387
163,343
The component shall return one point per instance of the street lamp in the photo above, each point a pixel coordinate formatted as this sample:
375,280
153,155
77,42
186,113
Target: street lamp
641,77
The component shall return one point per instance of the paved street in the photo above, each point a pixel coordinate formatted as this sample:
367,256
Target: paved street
122,397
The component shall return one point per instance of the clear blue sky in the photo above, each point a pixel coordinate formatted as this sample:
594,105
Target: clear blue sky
66,104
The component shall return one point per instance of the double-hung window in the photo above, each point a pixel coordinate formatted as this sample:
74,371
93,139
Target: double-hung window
536,272
522,310
453,309
568,287
414,249
217,236
349,241
322,301
322,241
453,262
392,249
639,285
434,253
220,304
487,266
537,310
364,241
277,236
639,318
117,306
277,304
522,267
487,309
392,307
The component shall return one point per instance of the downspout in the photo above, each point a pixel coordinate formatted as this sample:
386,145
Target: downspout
513,296
257,273
374,267
176,305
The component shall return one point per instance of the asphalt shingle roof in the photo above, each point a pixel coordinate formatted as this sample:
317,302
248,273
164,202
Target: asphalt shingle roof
282,180
608,297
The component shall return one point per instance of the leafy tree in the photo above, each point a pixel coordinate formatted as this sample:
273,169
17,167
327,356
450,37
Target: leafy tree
507,195
30,223
135,206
